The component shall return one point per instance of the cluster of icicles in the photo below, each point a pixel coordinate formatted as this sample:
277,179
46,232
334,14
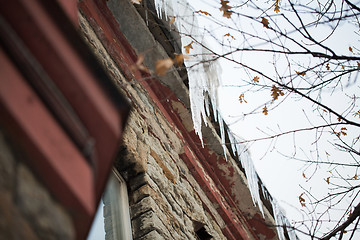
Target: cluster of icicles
204,80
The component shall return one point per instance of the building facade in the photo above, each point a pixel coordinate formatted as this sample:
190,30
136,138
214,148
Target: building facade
161,182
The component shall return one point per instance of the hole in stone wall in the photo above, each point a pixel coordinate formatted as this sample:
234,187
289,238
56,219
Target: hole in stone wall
201,232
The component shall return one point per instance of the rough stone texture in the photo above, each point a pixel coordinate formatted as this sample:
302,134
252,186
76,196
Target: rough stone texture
126,15
153,235
27,209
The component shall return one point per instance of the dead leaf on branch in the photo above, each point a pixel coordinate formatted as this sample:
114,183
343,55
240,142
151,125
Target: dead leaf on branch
302,200
229,35
163,65
179,58
265,110
300,73
188,47
277,7
328,180
276,92
342,132
203,12
351,50
225,8
265,22
242,98
139,64
256,79
357,114
172,20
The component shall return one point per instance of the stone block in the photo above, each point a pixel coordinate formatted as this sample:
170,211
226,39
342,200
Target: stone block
146,204
153,235
148,222
138,181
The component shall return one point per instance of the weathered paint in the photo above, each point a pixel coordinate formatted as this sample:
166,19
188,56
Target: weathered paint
206,166
53,41
61,166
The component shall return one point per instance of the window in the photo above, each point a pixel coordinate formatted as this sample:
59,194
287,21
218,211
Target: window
112,220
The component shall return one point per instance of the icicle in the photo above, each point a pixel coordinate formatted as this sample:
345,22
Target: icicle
251,175
204,81
222,133
281,220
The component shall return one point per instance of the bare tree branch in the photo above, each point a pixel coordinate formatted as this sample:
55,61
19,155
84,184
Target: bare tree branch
355,214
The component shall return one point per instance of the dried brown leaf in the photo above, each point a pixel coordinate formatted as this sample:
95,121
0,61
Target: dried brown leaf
229,35
172,20
265,110
225,8
300,73
203,12
163,65
139,64
188,47
277,7
276,92
179,58
242,98
265,22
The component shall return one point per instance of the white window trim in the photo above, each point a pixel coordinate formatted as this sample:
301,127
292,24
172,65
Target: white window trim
116,214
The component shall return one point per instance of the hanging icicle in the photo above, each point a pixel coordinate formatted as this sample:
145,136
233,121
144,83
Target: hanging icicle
204,80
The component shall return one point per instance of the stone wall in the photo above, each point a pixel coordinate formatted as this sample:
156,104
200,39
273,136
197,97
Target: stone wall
177,189
164,198
27,210
166,202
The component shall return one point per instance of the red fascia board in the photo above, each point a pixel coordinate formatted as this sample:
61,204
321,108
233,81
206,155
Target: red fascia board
71,10
232,222
52,154
98,16
53,50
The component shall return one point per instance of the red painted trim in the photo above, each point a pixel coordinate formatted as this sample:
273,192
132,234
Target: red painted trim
71,10
58,57
52,40
114,41
52,154
232,222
